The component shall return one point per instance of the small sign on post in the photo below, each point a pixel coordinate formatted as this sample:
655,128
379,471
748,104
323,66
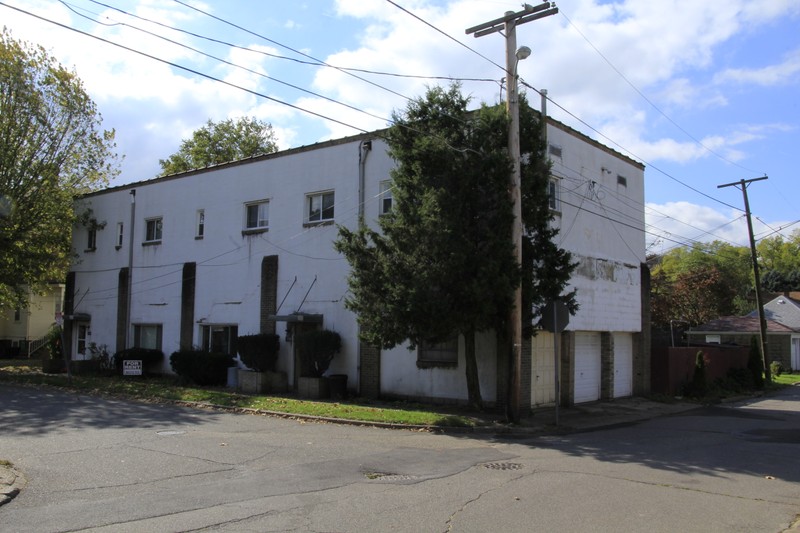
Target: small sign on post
132,367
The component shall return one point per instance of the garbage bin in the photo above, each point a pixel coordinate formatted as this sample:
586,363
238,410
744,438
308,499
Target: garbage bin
338,386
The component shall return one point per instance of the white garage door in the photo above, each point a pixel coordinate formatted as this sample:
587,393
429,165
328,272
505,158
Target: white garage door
623,364
587,367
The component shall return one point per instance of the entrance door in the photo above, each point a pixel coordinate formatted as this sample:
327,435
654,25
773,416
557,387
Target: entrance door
82,338
623,365
796,354
587,367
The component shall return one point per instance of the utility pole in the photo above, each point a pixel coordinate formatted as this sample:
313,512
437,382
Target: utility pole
508,24
762,321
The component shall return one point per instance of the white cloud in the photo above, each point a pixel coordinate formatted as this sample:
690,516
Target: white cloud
782,73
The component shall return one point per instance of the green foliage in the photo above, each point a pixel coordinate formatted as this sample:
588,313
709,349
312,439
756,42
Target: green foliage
201,368
316,349
699,384
55,350
221,142
260,351
776,368
755,363
443,262
147,356
52,149
697,284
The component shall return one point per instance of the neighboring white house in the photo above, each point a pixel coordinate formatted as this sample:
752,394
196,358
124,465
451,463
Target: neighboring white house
246,247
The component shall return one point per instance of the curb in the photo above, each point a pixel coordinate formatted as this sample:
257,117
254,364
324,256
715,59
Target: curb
11,482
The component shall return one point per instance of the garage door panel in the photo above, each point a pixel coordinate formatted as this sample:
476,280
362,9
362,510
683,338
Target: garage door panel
587,367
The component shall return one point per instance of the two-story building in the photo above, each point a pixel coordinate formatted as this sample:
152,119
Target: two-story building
199,258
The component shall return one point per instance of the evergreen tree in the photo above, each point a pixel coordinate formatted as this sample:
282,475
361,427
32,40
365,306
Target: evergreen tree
443,262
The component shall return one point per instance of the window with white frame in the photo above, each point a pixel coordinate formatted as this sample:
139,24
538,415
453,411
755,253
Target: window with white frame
91,239
713,339
386,198
200,226
553,194
319,207
256,215
120,234
443,353
147,336
153,229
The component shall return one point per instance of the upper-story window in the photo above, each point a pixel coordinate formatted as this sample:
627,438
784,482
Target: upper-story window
386,198
554,194
91,239
555,151
120,235
153,229
319,207
622,181
200,227
256,215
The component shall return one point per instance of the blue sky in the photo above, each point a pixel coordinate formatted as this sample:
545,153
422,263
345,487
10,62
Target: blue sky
703,93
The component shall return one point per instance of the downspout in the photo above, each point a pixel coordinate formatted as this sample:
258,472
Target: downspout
130,271
364,147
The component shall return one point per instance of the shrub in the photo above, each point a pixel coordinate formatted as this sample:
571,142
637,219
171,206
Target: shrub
54,349
147,356
316,349
755,364
201,368
776,368
699,384
259,351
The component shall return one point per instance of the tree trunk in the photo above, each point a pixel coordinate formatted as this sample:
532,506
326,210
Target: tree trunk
473,384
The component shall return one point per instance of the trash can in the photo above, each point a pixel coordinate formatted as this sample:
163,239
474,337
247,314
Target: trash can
338,386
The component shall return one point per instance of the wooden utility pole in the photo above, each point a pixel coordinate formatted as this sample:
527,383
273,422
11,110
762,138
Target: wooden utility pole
508,24
762,321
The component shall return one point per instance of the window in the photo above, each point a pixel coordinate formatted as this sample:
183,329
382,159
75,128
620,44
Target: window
256,215
220,339
82,340
319,207
622,181
91,241
17,314
153,229
554,150
553,194
713,339
438,354
120,234
386,197
147,336
200,227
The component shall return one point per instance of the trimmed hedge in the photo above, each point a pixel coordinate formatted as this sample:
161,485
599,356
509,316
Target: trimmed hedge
202,368
147,356
316,349
260,351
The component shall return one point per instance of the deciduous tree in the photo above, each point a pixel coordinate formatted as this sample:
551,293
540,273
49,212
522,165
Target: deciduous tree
221,142
52,148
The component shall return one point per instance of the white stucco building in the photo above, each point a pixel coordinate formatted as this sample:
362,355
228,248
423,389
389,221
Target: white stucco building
246,247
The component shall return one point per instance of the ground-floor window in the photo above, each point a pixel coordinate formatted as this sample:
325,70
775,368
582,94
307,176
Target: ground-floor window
443,353
220,338
147,336
82,338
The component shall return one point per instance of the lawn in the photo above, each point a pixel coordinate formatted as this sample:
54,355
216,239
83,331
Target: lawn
28,372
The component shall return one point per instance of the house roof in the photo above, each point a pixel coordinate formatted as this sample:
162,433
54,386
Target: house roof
784,310
740,324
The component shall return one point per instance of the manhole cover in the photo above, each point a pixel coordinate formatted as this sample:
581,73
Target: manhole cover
170,432
384,476
502,466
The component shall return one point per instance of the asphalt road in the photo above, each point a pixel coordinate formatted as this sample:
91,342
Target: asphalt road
104,465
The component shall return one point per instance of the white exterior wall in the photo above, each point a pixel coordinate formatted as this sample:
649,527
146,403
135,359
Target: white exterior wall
228,272
602,224
228,276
